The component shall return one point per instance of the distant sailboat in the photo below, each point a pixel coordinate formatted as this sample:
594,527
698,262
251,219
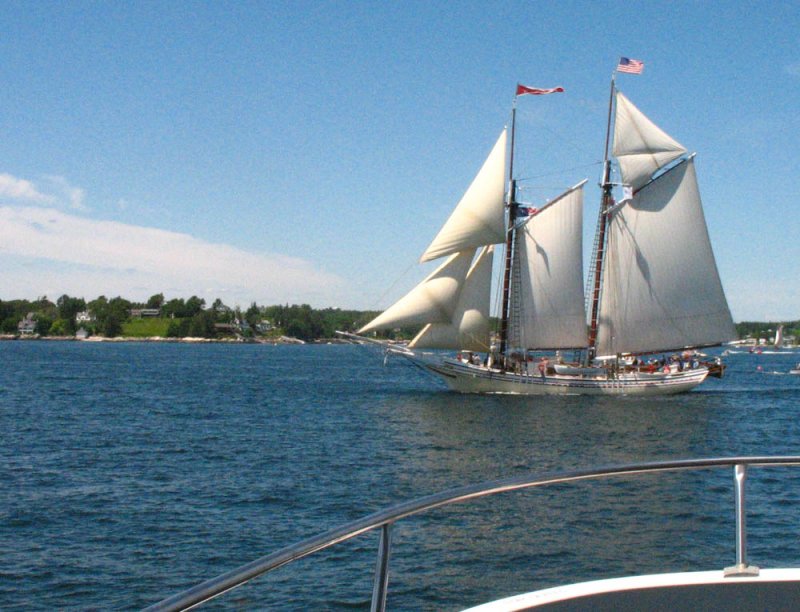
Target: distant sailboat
654,285
779,337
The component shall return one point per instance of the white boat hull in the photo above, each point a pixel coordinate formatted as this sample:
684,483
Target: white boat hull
471,378
770,589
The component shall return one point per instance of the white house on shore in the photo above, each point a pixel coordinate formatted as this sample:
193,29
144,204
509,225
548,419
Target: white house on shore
27,326
85,317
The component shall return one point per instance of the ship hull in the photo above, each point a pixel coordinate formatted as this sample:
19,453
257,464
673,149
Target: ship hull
470,378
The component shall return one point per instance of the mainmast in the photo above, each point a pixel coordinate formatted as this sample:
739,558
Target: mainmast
599,256
511,204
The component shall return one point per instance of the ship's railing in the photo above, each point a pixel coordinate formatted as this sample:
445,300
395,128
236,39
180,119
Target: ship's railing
385,519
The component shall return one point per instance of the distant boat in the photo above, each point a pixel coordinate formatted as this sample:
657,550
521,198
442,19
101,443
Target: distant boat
652,290
779,337
795,370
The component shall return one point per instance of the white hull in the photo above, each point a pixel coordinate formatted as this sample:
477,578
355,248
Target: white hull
469,378
770,589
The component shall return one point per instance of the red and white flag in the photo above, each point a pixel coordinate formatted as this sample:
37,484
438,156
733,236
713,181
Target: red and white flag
524,89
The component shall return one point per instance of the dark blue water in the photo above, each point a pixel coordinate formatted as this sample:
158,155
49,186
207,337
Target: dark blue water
132,471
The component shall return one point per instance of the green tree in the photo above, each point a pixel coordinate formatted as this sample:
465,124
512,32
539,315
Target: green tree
43,324
202,325
68,308
112,326
175,308
61,327
253,315
156,301
178,328
299,328
194,305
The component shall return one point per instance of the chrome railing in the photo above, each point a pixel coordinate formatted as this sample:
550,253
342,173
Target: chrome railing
384,520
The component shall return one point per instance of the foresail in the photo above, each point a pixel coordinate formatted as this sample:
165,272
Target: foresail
434,300
469,326
640,146
661,287
478,219
549,296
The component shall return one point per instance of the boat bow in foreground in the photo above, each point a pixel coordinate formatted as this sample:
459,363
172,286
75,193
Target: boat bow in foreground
735,587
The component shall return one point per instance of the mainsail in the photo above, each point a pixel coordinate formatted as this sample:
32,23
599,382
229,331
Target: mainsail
661,287
479,218
549,295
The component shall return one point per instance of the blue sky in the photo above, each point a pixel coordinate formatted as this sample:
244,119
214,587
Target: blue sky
307,152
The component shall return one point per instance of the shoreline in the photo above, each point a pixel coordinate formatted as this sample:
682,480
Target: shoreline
283,340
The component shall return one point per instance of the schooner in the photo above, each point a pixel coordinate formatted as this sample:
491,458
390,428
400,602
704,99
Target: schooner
654,292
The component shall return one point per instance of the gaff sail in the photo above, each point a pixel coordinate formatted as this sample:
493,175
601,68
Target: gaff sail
661,287
549,295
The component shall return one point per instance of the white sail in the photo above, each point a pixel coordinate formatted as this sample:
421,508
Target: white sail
779,337
550,292
661,288
640,146
434,300
469,326
478,219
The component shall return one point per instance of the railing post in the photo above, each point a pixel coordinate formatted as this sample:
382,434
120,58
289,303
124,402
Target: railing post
741,568
381,585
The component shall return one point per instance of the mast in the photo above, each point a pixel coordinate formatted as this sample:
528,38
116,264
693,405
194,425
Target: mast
602,221
512,213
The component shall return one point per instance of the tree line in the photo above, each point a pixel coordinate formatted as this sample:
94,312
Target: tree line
760,330
178,318
193,317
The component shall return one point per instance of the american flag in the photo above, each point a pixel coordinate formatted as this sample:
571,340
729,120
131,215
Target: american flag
631,66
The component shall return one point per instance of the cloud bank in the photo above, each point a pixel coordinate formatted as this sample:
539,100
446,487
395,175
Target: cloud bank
45,251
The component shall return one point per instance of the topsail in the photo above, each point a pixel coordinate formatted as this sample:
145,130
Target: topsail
640,146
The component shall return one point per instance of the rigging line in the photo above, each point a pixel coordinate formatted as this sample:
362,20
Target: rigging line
392,286
561,136
582,166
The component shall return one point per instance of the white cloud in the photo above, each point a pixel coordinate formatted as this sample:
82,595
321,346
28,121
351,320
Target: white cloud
14,188
75,196
57,192
47,251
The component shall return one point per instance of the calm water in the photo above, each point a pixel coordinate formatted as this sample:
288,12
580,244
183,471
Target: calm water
132,471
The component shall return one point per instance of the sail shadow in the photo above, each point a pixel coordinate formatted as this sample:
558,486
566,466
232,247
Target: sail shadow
543,254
